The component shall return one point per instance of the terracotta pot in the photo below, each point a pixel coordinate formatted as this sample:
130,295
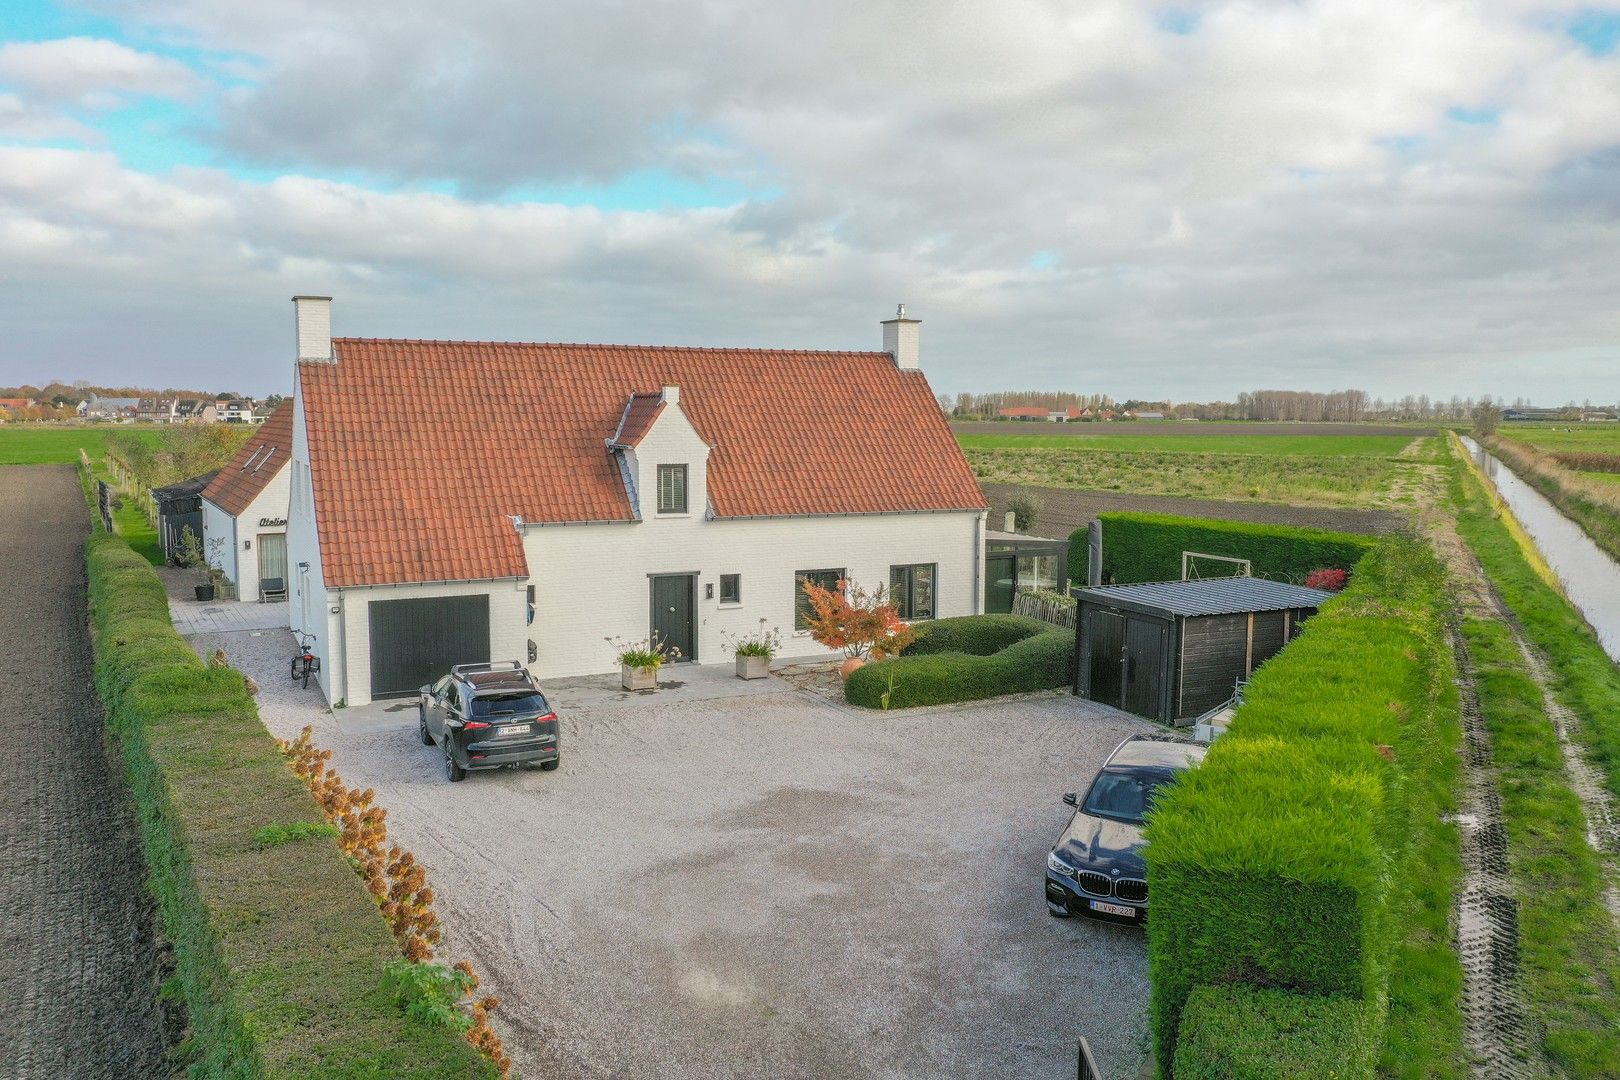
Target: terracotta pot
638,678
753,667
850,666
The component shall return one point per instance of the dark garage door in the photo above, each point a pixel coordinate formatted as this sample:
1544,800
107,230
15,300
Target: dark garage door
414,642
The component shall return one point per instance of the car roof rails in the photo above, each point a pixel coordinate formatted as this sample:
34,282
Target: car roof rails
498,665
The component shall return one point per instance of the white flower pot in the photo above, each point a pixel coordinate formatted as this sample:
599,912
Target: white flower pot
753,667
638,678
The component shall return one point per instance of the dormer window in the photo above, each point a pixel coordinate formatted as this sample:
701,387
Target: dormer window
672,489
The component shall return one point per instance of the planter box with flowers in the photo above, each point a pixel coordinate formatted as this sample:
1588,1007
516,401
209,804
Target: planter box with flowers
859,623
639,662
755,651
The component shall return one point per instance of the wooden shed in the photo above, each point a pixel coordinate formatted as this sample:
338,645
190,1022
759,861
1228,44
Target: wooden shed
179,507
1170,650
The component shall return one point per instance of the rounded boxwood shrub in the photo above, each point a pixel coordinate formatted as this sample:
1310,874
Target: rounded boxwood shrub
1037,656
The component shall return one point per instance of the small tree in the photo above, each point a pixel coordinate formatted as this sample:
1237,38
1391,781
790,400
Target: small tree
189,552
1023,511
856,621
1487,415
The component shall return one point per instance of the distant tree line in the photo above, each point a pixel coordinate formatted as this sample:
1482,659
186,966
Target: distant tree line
1344,406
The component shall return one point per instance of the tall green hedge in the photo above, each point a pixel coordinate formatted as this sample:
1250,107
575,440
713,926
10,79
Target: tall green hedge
967,659
1148,547
1243,1033
280,951
1271,864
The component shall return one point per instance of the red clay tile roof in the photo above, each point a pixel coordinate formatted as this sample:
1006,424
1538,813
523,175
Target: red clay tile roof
421,452
255,465
640,412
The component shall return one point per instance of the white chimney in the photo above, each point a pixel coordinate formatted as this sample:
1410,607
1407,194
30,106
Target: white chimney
312,320
902,339
671,395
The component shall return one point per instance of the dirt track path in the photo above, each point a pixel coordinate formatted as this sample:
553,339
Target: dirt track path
77,960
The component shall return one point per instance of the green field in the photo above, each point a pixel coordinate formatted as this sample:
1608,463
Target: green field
1370,446
1593,438
53,444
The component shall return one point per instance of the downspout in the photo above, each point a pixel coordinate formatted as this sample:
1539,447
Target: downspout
340,649
978,562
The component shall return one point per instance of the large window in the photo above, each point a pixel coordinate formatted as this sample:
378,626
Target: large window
827,579
672,489
911,590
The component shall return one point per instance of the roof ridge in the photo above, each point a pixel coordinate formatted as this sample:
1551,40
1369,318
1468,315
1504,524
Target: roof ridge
613,345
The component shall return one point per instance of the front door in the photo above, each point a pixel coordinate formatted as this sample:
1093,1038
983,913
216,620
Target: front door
672,612
1000,582
1145,643
1105,656
272,562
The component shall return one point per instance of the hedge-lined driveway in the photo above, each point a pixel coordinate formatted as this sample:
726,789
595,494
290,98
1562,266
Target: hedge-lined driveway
764,886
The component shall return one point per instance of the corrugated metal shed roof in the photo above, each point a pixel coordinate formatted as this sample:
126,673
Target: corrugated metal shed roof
1211,596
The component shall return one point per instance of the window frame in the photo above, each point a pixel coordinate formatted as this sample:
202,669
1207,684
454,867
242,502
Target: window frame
736,597
672,469
907,606
801,603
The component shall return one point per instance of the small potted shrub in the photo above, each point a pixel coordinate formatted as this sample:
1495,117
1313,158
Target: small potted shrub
189,554
639,662
857,622
754,653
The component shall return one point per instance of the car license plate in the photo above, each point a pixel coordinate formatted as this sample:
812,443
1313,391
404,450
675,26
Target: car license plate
513,729
1113,909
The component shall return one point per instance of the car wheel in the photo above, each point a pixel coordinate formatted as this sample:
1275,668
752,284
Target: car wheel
421,726
552,764
452,771
1057,911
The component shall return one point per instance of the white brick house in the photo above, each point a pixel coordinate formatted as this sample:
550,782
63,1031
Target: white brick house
463,501
245,511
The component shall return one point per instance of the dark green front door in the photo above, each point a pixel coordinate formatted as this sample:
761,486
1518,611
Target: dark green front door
672,611
1000,578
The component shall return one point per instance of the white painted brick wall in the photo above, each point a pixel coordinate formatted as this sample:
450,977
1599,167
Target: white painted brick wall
591,580
308,609
243,566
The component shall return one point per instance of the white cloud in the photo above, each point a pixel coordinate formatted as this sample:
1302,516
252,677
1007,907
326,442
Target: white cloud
30,122
92,72
1282,196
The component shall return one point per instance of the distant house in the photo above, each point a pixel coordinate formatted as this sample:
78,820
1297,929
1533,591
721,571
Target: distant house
235,410
195,411
96,407
1023,412
14,404
1149,416
155,410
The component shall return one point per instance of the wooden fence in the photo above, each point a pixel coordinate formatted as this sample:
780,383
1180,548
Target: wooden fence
1055,608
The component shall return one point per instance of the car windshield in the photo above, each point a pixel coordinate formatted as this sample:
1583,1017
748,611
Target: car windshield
1121,795
510,704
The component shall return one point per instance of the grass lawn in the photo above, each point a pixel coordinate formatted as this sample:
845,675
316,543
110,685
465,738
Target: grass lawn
1370,446
37,444
1566,438
58,444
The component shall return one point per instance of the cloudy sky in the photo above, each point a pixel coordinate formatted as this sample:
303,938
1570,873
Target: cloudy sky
1182,201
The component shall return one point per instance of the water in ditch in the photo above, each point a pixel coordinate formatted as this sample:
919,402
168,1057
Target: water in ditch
1590,577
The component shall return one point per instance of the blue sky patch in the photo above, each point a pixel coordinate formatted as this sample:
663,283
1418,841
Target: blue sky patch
1179,21
1597,29
1463,114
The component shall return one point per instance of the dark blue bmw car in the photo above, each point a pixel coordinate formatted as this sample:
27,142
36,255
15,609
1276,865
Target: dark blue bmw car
1096,868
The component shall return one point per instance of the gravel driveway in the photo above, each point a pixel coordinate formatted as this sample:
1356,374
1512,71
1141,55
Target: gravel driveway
78,967
761,886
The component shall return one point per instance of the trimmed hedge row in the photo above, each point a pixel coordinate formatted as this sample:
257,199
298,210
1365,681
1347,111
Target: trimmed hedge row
1148,547
1259,1034
967,659
280,952
1272,862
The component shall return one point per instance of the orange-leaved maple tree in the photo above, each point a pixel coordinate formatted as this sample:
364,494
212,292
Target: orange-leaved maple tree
855,620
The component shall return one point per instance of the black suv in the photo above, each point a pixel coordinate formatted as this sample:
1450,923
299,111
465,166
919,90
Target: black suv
1096,868
485,716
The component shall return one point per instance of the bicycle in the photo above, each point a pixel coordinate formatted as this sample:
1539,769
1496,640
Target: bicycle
304,662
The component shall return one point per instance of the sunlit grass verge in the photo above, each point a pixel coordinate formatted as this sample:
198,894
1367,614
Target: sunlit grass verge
281,954
1567,942
1284,861
1584,678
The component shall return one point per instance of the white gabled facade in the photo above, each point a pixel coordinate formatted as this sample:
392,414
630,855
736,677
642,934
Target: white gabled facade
592,581
238,557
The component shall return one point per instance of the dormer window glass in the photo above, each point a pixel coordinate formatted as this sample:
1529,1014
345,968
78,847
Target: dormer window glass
672,489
